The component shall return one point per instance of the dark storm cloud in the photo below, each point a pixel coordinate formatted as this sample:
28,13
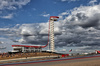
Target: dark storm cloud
36,33
92,21
84,28
81,16
90,47
36,40
9,32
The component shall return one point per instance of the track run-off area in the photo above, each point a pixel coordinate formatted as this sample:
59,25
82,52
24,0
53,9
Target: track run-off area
54,62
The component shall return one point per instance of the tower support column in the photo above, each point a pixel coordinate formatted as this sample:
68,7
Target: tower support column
52,35
51,26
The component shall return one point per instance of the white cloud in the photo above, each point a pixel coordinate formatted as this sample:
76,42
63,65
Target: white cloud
85,22
27,29
8,6
81,13
11,4
46,15
92,2
64,13
9,16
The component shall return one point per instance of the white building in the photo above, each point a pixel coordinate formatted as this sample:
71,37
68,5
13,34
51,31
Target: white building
27,48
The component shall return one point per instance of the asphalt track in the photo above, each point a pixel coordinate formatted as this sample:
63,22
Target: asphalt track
54,61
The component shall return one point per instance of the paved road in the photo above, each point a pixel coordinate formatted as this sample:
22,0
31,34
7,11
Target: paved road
56,61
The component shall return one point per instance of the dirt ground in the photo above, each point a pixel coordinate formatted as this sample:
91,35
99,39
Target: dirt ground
22,55
81,63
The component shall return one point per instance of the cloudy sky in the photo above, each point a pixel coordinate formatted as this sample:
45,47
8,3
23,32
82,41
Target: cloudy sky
26,22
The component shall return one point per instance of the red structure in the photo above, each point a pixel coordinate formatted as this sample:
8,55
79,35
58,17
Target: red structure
97,52
25,48
65,55
29,46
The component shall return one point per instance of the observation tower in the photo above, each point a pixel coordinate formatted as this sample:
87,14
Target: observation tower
32,48
51,26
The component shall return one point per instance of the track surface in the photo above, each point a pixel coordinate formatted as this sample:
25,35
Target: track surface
54,61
